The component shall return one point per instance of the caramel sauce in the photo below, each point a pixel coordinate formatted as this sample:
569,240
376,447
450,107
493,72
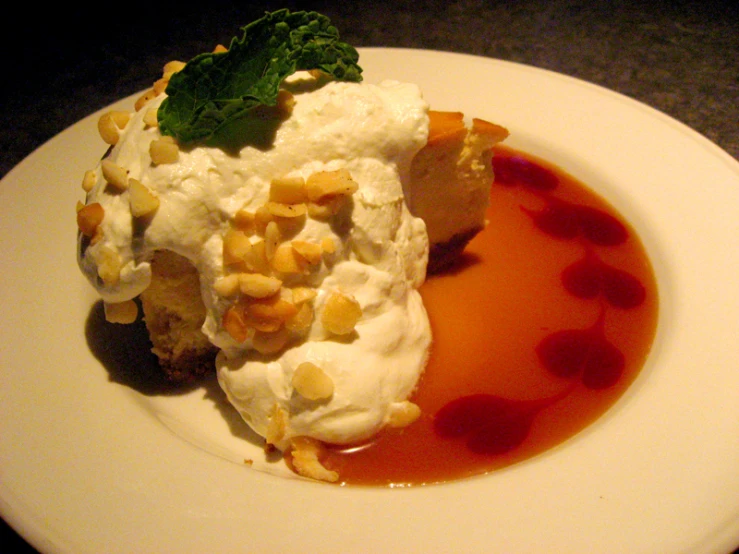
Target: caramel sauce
538,330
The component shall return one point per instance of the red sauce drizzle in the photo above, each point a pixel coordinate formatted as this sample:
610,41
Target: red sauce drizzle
544,323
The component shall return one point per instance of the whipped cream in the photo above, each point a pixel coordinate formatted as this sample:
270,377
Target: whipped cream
380,256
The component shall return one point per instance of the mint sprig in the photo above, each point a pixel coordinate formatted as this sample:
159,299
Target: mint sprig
215,89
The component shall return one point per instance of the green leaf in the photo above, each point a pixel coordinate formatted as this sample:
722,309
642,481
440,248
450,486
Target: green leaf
214,90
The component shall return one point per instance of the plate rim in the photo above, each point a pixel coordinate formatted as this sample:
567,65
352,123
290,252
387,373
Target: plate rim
27,528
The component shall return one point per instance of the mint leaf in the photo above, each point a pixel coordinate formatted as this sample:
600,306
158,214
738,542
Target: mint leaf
214,90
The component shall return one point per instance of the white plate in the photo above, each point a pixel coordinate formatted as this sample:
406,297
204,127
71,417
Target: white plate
89,464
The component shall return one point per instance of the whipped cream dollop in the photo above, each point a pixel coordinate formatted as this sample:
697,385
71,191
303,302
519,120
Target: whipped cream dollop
377,258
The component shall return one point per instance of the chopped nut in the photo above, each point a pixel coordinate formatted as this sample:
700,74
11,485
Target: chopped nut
268,314
330,183
290,226
88,181
305,459
164,151
98,236
169,69
279,209
151,117
405,414
303,294
173,67
263,325
271,239
288,190
286,260
302,320
236,248
107,129
244,221
270,342
262,218
144,99
219,49
227,286
121,118
142,200
160,85
235,325
110,125
121,312
258,286
328,245
277,425
309,251
340,314
311,382
115,175
109,265
89,217
256,260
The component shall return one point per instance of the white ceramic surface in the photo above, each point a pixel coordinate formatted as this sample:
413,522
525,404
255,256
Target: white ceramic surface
92,462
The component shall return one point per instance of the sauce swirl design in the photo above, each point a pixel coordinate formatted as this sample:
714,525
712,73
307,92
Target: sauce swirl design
544,323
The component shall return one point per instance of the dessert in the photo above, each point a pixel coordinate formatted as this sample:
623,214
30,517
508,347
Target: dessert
270,230
450,183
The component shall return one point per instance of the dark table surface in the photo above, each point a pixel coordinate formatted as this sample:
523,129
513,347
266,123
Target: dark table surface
681,57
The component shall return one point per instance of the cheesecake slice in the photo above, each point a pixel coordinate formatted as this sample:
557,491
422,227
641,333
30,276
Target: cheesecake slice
450,183
174,314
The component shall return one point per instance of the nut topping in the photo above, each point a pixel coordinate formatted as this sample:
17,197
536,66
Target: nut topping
312,383
115,175
164,151
109,265
88,181
144,99
227,286
235,324
340,314
305,459
236,248
286,260
310,252
324,184
288,190
404,415
258,286
143,202
277,425
151,118
110,125
89,217
278,209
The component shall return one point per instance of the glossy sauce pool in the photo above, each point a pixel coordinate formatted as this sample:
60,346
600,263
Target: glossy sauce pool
542,325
